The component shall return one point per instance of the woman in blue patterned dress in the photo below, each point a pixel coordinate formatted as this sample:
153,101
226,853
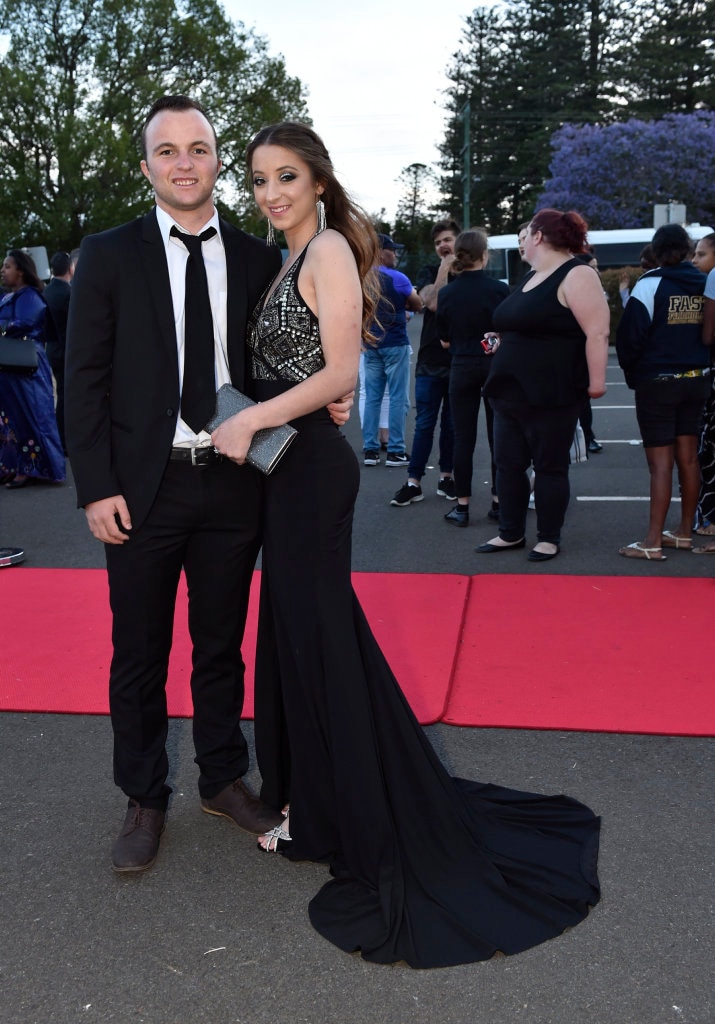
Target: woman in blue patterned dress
30,447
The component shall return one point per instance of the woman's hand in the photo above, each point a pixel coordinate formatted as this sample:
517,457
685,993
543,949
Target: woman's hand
340,410
233,438
490,343
596,390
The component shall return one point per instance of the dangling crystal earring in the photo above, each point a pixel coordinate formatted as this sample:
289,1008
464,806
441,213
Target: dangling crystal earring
322,223
271,236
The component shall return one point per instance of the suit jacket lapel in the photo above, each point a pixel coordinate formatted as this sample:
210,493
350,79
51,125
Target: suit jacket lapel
156,275
237,311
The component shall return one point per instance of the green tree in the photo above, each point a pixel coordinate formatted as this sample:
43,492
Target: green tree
77,80
478,73
670,66
417,209
533,65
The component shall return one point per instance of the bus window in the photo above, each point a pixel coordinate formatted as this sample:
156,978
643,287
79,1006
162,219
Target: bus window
496,267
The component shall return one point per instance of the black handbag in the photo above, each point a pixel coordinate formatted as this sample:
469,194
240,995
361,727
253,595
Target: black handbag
18,355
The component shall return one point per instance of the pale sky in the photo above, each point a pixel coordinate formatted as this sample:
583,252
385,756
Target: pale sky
375,75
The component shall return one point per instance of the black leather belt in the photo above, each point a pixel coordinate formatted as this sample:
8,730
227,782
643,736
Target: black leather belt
205,456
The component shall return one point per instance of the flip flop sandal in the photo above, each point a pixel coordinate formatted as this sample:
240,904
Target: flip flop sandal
636,550
707,550
672,540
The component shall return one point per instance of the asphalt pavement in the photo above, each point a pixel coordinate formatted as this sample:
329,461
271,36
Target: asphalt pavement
217,933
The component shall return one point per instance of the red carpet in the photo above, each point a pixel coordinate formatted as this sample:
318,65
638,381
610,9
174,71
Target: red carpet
56,646
594,653
549,652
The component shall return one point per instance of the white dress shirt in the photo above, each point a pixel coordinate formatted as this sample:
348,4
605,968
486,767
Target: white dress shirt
215,263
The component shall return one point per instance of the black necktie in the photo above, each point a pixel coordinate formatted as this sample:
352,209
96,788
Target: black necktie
198,390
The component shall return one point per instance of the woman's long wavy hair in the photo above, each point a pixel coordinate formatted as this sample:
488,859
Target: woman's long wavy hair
341,212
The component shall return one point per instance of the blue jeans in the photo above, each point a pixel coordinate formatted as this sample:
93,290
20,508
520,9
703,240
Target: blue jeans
430,394
389,366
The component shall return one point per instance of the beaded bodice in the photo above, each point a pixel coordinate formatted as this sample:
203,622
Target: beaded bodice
283,334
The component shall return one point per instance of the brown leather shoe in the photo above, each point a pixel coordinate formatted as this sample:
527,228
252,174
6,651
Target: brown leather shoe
137,845
241,806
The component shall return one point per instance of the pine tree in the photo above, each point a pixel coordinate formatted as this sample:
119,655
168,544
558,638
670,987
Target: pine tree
528,69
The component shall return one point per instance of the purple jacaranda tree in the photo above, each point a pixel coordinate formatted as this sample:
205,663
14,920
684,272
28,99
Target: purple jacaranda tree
614,174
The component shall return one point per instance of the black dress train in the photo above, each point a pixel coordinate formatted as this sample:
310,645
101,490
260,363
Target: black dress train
427,868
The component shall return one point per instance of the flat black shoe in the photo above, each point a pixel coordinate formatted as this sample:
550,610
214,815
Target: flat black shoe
490,549
493,512
458,516
542,556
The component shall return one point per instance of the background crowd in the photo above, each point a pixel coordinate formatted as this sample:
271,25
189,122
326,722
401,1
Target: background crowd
541,370
665,352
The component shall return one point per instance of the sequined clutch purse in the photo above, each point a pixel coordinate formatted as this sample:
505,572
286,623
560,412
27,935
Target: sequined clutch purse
267,446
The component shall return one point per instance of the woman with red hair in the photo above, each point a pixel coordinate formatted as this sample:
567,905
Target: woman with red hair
552,354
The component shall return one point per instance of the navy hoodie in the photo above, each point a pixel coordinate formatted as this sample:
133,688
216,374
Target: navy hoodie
661,328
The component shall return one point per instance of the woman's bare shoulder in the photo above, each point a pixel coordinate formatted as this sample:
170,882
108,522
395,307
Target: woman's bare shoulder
329,244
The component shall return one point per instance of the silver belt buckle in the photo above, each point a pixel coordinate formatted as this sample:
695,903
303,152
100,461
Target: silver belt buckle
193,456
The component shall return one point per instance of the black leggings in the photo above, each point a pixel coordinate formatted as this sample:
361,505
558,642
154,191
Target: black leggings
524,434
466,380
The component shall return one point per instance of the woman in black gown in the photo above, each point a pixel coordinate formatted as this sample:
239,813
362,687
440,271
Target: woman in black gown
425,868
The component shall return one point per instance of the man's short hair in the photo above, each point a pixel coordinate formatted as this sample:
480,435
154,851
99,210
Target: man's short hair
60,264
445,225
177,104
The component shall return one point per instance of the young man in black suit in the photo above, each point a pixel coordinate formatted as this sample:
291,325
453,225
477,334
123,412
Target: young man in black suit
153,489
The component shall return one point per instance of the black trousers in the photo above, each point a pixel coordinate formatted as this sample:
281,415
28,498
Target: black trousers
524,434
58,372
206,520
466,380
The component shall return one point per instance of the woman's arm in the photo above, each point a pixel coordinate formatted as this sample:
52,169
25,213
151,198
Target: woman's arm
636,324
330,285
582,293
709,322
28,314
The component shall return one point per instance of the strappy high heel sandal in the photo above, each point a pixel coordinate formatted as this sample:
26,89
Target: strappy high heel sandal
278,837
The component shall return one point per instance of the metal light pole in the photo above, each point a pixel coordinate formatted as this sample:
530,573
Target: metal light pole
466,152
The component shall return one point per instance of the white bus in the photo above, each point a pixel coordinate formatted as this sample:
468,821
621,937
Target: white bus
620,248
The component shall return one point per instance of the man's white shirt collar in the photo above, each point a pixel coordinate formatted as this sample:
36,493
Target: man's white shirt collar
166,222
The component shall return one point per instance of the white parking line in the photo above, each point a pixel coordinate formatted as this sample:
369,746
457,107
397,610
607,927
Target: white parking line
615,497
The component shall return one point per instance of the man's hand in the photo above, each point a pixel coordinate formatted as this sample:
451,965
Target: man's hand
340,410
102,522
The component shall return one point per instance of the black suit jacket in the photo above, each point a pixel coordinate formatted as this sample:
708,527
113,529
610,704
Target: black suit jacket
122,373
57,296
